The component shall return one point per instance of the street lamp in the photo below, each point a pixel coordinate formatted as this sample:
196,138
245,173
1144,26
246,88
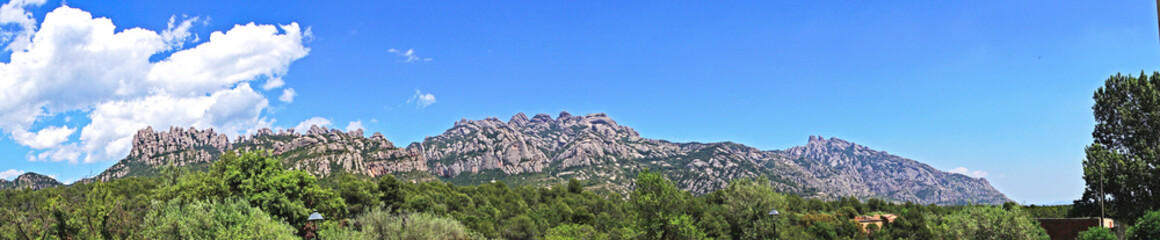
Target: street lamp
774,213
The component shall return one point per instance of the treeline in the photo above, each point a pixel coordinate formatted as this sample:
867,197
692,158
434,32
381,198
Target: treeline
250,196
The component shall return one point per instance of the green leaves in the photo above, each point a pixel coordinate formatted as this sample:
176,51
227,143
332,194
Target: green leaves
260,180
1121,164
199,219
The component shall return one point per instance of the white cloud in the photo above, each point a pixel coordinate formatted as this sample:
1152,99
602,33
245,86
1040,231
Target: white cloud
409,55
48,137
10,173
13,13
288,95
354,125
965,171
314,121
422,100
76,62
70,153
177,34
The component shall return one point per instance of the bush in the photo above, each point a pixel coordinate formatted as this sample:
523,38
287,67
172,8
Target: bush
1147,227
574,232
1097,233
990,222
229,219
260,179
381,224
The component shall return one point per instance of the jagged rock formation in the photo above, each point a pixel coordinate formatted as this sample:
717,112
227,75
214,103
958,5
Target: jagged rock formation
542,151
320,151
855,170
30,180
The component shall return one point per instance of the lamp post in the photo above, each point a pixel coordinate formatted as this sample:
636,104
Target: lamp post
773,213
310,228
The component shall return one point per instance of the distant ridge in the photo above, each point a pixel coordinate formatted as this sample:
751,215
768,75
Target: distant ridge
542,150
29,180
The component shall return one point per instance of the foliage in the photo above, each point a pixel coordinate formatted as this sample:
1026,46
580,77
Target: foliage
251,189
229,219
990,222
574,232
381,224
1147,227
260,180
1122,163
661,209
1097,233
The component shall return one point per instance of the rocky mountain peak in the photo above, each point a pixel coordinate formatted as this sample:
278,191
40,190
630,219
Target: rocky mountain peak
519,120
30,180
541,118
315,130
563,115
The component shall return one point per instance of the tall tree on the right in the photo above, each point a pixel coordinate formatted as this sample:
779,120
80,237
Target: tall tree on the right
1122,168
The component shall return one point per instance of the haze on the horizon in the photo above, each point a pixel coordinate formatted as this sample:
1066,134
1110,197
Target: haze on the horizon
994,89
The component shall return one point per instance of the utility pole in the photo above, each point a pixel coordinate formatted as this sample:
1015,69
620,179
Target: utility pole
1102,196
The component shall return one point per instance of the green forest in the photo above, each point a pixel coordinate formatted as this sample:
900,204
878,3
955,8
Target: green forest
251,195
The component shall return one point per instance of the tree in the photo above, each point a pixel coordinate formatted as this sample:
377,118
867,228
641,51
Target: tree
1147,227
392,191
990,222
660,209
574,232
1121,168
1097,233
259,179
228,219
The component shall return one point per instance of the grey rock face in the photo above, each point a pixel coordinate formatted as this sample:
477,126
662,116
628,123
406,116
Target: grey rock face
320,152
855,170
323,151
571,146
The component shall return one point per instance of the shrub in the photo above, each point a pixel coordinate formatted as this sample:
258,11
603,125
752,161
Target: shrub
1097,233
381,224
990,222
1147,227
229,219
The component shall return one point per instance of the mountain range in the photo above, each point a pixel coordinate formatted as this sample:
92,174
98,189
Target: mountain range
542,151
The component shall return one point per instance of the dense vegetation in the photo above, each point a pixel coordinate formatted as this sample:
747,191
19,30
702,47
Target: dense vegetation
1122,168
250,196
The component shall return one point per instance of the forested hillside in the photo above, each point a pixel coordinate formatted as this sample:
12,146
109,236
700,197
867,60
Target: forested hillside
251,195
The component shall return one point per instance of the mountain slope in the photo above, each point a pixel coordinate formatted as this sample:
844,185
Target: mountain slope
30,180
543,151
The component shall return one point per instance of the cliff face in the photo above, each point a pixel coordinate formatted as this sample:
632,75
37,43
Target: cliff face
542,151
320,151
855,170
323,151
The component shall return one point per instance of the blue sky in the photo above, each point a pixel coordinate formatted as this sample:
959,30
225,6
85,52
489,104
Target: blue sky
1000,89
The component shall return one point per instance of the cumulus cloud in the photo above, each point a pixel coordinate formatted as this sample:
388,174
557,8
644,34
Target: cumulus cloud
968,172
354,125
409,55
78,62
422,100
314,121
23,24
10,173
288,95
48,137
